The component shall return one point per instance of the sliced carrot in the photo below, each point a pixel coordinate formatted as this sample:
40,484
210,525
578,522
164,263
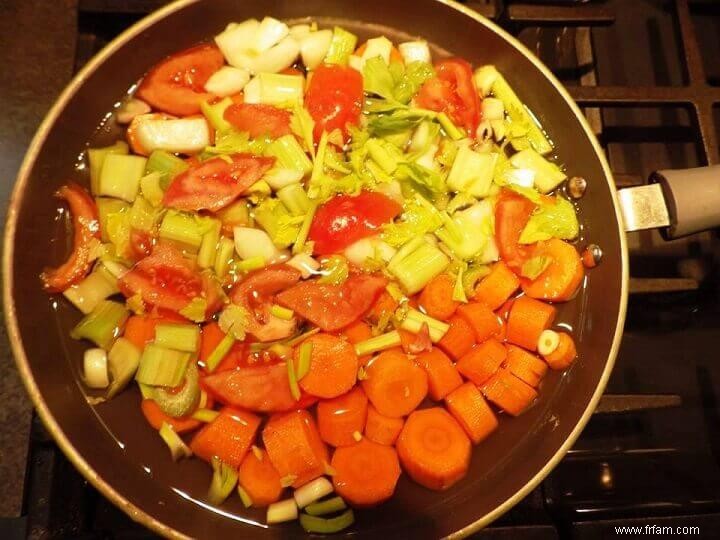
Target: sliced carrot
436,297
140,330
383,307
155,417
561,278
470,409
497,286
443,378
365,473
341,417
525,365
294,447
433,449
565,353
508,392
482,320
395,384
395,55
459,339
333,366
483,361
259,478
380,428
228,437
527,320
357,332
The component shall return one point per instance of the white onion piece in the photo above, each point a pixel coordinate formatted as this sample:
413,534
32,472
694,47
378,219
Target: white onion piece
305,264
227,81
281,56
314,47
253,91
415,51
492,109
380,46
251,243
484,78
184,135
282,511
312,491
299,31
233,42
356,63
269,33
368,248
95,368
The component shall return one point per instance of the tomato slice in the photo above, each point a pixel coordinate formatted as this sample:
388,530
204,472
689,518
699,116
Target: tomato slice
334,98
512,212
258,119
141,243
345,219
177,84
86,229
332,307
453,91
215,183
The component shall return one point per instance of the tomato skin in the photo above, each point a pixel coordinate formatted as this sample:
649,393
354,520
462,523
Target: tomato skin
453,91
334,98
177,84
345,219
141,243
258,119
512,213
215,183
86,229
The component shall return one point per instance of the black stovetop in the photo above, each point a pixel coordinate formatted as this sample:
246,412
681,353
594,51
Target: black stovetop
647,75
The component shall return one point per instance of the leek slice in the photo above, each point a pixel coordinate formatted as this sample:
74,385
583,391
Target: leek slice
162,367
103,324
275,89
547,174
295,199
166,164
180,403
96,156
120,176
329,506
223,481
378,343
183,229
150,188
178,448
223,257
312,491
107,207
304,358
123,361
292,378
92,290
95,372
313,524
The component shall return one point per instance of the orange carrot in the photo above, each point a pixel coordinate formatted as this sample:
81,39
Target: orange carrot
470,409
365,473
497,286
383,307
459,339
483,361
395,55
565,353
436,297
155,417
482,320
508,392
380,428
527,320
140,329
561,278
259,478
294,447
395,384
443,378
341,417
333,366
228,437
525,366
433,448
357,332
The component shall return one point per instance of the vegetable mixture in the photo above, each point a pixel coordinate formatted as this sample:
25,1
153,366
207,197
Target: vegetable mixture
322,264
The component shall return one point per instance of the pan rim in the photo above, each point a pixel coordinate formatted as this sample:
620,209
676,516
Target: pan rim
21,359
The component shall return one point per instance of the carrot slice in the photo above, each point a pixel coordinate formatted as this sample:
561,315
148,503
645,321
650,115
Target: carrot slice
341,417
508,392
497,286
565,353
365,473
459,338
561,278
525,365
483,361
383,307
259,478
357,332
437,299
380,428
294,447
433,448
470,409
527,320
482,320
333,366
443,378
228,437
395,384
155,417
140,329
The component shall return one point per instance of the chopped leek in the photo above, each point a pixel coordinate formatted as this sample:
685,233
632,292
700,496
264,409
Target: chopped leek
342,45
415,51
234,320
281,312
471,172
182,229
547,174
150,188
292,378
178,336
225,251
414,320
178,448
120,176
177,404
103,324
312,491
205,415
329,506
378,343
223,481
123,361
160,366
414,269
280,226
96,156
215,113
166,164
334,270
95,371
420,217
289,154
302,235
95,288
295,199
472,275
222,349
209,244
282,511
275,89
304,358
313,524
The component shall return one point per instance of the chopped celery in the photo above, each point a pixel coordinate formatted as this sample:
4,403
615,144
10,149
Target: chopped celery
150,188
219,352
281,511
318,169
275,89
177,404
458,294
302,125
420,217
304,357
314,524
234,320
292,378
547,174
471,172
551,220
378,343
472,275
279,177
106,207
329,506
334,270
225,252
195,310
215,113
117,226
223,481
281,312
295,199
142,215
454,132
302,235
416,268
289,154
167,164
92,290
248,265
95,372
414,321
178,448
380,154
274,218
209,244
96,156
162,367
342,46
475,228
123,361
205,415
103,324
182,229
120,176
178,336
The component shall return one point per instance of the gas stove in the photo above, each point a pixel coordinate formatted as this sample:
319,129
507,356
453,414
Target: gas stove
646,75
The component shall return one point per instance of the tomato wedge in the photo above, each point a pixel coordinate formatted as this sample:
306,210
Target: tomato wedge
141,243
177,84
345,219
512,213
215,183
334,98
258,119
453,91
332,307
86,229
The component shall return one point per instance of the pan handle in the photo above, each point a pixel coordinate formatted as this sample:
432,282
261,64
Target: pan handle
679,202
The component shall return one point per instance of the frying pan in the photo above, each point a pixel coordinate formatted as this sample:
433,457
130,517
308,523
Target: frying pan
112,445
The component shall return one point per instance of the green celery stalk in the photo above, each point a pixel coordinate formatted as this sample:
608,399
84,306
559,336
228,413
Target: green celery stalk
107,206
96,156
275,219
103,324
215,114
299,245
295,199
178,336
235,215
167,164
304,358
548,175
281,312
292,378
219,352
278,89
209,245
225,253
222,483
92,290
414,320
289,154
183,229
150,188
378,343
381,156
342,46
415,270
244,497
120,176
160,366
205,415
454,132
